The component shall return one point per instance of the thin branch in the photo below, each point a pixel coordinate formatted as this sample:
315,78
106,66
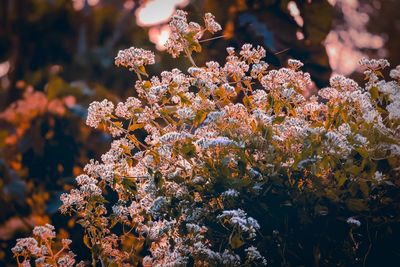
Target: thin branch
189,56
282,51
213,38
369,247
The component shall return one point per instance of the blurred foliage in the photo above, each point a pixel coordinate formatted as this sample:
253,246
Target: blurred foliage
66,63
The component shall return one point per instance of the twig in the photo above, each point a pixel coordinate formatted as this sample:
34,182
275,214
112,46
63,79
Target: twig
189,56
369,247
282,51
213,38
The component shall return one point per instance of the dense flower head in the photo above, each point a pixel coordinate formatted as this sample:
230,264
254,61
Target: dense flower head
133,58
127,110
42,249
354,222
44,232
251,54
395,73
26,245
374,64
295,64
210,23
253,255
342,83
238,218
98,112
185,35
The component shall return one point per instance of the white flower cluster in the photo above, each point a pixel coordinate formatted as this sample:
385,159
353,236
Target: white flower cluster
99,111
78,198
253,255
354,222
134,58
210,23
374,64
215,131
185,36
41,249
238,218
395,73
127,110
44,232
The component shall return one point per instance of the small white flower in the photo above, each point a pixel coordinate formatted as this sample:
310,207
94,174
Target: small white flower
353,222
99,111
133,58
211,25
378,176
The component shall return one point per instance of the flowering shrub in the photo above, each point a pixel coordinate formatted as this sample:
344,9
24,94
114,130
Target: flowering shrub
236,163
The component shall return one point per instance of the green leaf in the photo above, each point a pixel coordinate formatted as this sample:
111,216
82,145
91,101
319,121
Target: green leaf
332,196
188,149
200,117
158,179
129,185
196,47
236,240
86,241
142,71
353,169
356,205
362,151
374,92
167,110
342,180
278,120
57,87
135,126
364,188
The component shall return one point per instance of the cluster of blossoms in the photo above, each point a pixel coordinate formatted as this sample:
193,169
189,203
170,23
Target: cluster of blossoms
42,250
185,36
135,59
215,134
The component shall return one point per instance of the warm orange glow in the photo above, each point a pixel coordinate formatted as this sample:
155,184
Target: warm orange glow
345,45
159,35
93,2
157,12
332,2
78,4
295,13
129,4
342,58
4,68
299,35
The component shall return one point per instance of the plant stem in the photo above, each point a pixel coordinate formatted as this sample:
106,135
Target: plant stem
213,38
52,257
189,56
138,75
94,261
369,247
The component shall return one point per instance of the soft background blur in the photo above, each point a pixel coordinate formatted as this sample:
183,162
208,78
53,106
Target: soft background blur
56,56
